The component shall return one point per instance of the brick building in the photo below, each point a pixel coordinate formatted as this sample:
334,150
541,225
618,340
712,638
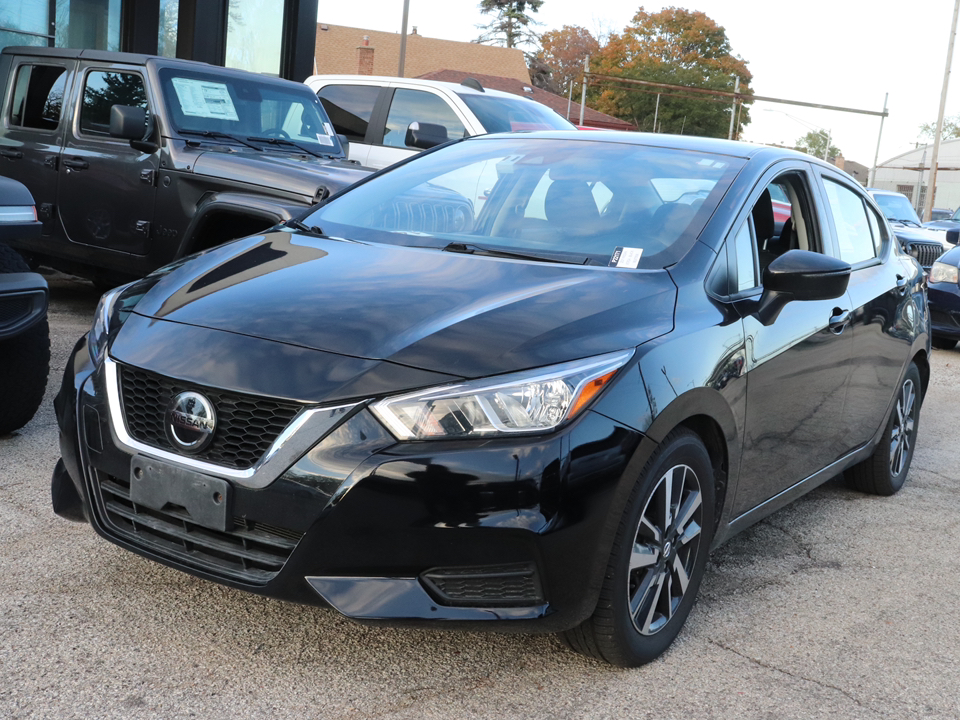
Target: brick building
344,50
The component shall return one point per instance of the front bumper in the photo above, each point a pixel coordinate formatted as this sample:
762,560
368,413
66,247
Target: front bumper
944,300
507,534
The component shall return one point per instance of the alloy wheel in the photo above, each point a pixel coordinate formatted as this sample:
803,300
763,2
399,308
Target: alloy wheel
901,434
665,549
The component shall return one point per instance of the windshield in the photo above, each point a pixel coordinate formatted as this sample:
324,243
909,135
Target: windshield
897,207
248,108
500,114
592,201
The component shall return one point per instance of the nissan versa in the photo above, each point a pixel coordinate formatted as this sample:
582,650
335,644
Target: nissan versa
518,382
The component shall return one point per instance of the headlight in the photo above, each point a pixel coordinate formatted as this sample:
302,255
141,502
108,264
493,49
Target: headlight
530,401
943,273
112,312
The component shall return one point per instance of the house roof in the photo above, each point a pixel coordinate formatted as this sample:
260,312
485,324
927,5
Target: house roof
336,53
525,88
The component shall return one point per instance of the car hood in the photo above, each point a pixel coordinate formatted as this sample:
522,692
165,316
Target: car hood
279,169
461,315
921,234
943,224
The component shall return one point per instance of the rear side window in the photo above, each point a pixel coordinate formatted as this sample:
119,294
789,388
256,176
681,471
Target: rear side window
38,97
102,91
349,108
410,106
849,213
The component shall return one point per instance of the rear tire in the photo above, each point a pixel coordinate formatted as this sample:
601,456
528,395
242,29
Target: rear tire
658,558
24,361
942,343
884,472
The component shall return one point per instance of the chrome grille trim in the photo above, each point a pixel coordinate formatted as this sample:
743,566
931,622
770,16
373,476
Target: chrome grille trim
305,431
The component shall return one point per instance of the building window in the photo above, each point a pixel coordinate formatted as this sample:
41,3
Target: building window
906,190
167,39
254,35
88,24
25,23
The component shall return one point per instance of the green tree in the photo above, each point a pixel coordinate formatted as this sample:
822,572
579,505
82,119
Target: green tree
564,51
679,47
815,142
511,26
951,129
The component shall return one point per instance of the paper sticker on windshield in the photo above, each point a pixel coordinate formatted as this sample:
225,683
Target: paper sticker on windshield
626,257
201,98
327,128
324,140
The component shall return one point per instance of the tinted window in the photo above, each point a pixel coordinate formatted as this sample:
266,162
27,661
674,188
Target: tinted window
850,220
504,114
349,108
102,91
38,96
417,106
580,198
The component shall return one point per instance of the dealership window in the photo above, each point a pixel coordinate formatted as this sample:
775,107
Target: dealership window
254,35
102,91
167,38
88,24
27,22
38,97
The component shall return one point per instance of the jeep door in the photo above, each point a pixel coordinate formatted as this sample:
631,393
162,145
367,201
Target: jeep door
34,126
106,192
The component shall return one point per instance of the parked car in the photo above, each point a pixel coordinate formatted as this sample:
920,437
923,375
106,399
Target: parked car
944,296
387,119
136,161
536,411
948,226
924,244
940,214
24,336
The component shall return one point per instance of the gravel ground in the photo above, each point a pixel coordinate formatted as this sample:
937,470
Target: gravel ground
840,606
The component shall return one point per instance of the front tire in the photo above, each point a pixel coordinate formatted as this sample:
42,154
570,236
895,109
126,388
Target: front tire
658,559
884,472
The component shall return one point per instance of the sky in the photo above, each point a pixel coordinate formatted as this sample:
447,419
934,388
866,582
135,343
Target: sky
848,53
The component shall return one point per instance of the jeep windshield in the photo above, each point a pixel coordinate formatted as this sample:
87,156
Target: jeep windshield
248,111
897,208
549,198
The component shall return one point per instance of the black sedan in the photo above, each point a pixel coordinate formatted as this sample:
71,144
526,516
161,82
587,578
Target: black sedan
519,382
944,292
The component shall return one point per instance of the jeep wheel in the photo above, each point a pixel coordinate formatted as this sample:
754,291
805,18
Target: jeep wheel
24,361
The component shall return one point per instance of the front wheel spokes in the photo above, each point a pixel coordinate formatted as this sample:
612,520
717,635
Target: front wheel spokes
663,553
902,430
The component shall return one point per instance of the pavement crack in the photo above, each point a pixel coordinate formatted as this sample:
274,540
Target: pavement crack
802,678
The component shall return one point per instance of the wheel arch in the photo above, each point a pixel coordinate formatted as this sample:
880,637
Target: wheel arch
922,361
221,217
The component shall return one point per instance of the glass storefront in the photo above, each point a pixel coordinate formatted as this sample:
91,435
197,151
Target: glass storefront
88,24
25,23
254,36
167,40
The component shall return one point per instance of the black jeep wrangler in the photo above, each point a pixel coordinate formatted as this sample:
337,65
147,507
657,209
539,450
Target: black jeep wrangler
137,160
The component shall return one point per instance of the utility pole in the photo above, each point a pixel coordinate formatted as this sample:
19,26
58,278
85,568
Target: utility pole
583,90
403,37
932,181
876,156
569,99
733,108
656,113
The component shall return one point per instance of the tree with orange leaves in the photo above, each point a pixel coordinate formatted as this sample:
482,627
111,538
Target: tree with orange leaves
676,46
564,51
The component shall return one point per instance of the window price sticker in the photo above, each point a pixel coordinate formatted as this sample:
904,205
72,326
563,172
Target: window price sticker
625,257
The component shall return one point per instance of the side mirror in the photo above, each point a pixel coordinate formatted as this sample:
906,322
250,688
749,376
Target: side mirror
800,275
425,135
133,124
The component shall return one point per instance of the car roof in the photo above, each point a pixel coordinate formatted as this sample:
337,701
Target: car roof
449,86
733,148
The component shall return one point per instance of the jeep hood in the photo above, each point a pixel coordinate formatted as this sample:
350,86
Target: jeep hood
280,169
459,315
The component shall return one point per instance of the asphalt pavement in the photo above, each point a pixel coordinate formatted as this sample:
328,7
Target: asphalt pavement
839,606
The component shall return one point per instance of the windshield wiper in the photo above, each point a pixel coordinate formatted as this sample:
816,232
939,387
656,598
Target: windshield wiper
291,143
223,135
304,228
472,249
906,221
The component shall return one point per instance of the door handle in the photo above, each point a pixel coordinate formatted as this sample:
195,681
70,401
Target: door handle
901,285
11,154
76,164
839,320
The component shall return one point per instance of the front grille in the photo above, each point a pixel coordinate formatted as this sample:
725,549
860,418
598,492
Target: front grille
426,217
485,586
13,309
246,425
251,552
927,253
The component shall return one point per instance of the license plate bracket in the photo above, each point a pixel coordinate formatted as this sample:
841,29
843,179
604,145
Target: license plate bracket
157,484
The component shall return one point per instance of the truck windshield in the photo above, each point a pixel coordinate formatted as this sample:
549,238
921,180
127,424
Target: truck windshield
247,109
